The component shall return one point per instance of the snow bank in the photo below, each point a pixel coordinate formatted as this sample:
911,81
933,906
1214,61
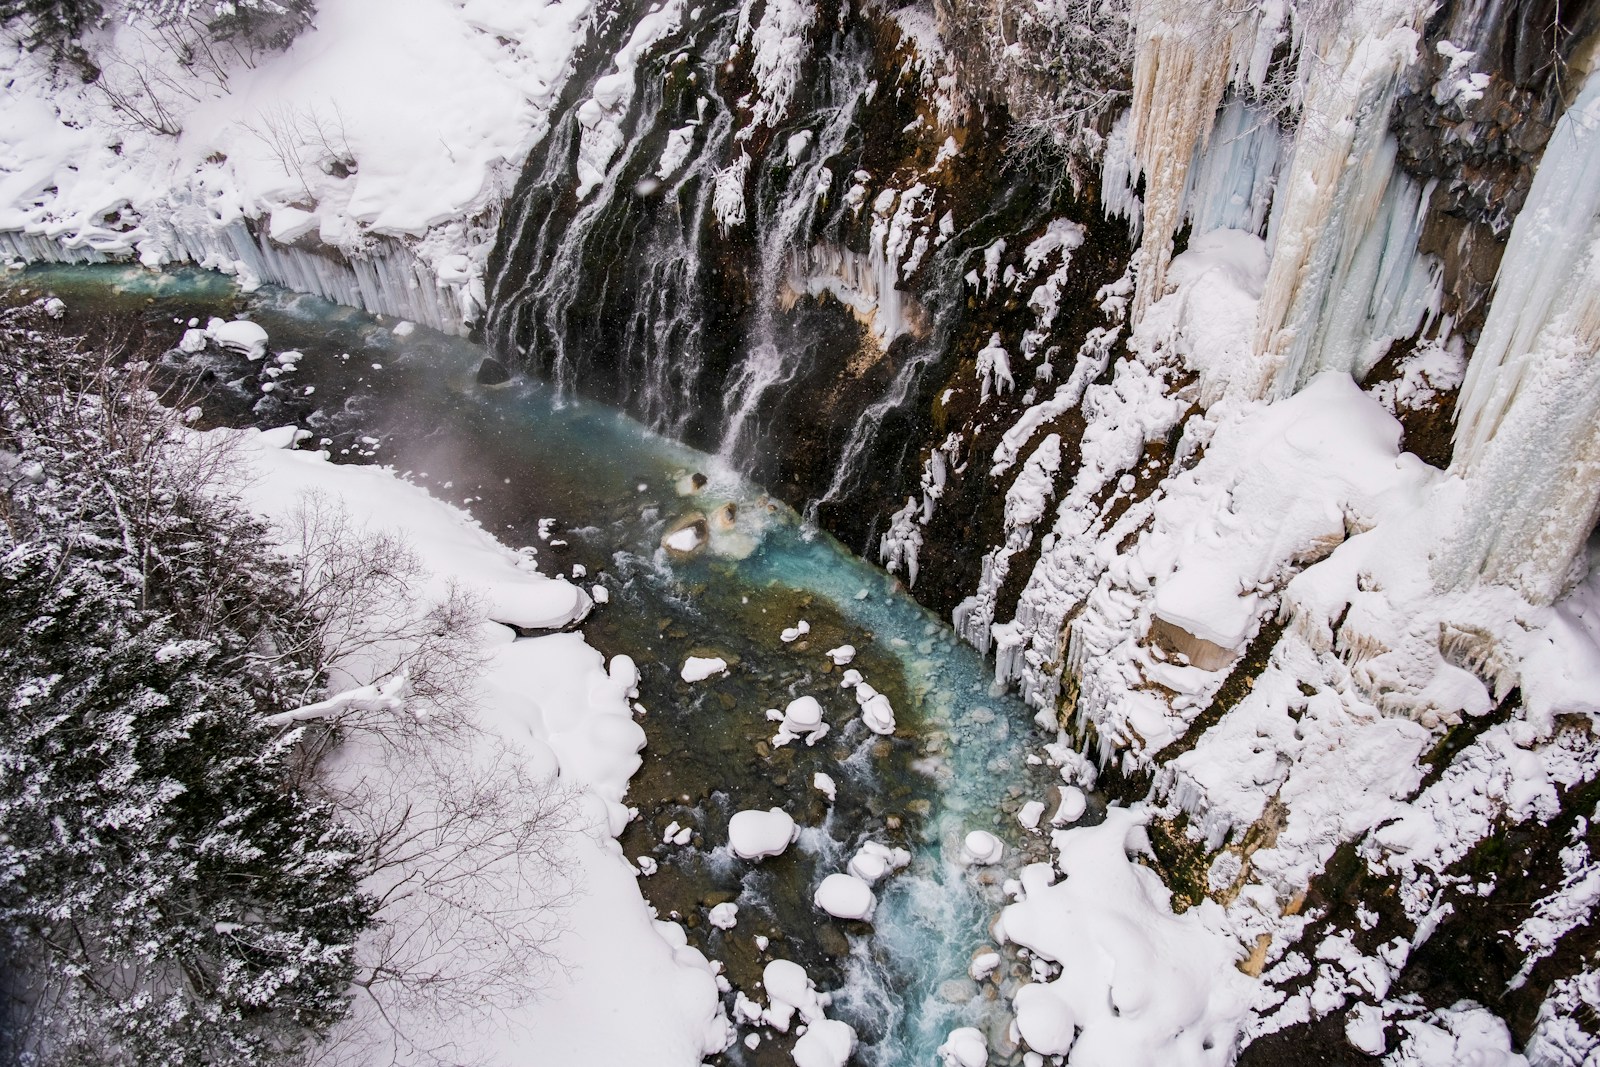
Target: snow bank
1279,489
1139,986
554,698
430,105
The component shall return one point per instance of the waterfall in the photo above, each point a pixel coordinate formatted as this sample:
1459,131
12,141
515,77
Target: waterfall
800,193
1231,181
597,279
1528,420
1185,56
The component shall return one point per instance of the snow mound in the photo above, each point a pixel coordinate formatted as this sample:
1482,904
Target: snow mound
1139,986
755,835
844,896
699,668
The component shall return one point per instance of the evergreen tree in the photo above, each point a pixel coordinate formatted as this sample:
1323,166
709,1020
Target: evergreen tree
54,22
167,895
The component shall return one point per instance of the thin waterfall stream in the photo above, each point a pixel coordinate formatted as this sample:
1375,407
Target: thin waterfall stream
586,485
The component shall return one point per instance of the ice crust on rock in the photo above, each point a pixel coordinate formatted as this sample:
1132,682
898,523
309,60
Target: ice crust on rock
842,655
724,916
755,834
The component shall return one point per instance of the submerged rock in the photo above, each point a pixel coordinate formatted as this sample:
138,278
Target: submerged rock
492,372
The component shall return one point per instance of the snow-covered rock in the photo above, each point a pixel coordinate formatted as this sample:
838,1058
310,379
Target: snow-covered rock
755,835
964,1047
699,668
826,1043
873,861
1071,806
844,896
801,719
876,711
790,991
241,336
1030,813
1138,984
981,848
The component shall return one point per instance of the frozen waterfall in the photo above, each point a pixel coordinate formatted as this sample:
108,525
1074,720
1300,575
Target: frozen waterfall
1528,421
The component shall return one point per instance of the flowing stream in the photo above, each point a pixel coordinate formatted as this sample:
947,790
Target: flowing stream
586,485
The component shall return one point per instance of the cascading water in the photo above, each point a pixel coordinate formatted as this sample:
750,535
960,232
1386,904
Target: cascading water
597,281
799,190
745,267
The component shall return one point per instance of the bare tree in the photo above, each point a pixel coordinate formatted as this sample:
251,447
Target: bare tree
467,844
469,862
303,139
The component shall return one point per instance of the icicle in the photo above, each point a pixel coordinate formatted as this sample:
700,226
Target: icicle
1335,190
1528,420
1231,180
1186,52
387,278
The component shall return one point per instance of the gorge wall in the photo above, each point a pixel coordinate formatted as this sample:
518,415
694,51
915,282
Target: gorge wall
1226,374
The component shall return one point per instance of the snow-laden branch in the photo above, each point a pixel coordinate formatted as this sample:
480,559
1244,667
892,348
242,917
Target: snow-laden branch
389,697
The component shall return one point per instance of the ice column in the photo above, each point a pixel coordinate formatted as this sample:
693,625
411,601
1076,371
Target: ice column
1343,220
1184,57
1230,182
1528,419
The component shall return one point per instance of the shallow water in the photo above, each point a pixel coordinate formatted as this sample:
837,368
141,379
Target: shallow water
608,489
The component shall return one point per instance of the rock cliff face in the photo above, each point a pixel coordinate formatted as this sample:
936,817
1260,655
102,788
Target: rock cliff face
1481,150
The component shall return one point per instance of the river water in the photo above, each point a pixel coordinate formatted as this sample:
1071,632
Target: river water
585,486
